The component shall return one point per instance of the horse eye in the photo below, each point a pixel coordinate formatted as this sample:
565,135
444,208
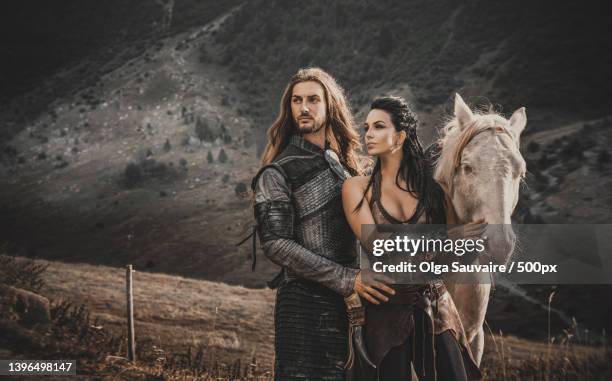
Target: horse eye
467,169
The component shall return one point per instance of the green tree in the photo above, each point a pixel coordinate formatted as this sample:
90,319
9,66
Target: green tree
222,156
203,131
133,174
241,189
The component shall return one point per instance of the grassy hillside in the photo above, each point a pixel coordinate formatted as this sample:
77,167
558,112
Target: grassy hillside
172,312
184,326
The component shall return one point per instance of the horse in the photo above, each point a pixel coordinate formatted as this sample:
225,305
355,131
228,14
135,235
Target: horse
480,169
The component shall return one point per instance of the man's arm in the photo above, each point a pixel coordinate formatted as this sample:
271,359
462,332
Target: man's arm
275,220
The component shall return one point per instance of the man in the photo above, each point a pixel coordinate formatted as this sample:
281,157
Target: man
311,150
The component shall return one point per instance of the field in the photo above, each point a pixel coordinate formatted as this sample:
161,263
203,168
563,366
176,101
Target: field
193,328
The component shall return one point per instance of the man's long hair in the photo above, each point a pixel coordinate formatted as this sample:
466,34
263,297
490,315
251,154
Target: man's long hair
340,132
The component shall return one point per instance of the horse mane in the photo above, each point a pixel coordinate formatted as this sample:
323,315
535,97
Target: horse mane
453,140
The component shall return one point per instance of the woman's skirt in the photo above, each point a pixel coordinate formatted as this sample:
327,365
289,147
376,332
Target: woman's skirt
419,327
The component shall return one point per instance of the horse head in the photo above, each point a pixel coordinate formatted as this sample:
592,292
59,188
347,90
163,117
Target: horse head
480,168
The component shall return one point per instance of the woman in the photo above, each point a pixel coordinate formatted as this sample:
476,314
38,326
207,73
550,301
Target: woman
402,331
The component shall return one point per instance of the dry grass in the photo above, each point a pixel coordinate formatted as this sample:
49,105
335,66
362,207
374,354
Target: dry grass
25,273
172,312
197,330
509,358
185,329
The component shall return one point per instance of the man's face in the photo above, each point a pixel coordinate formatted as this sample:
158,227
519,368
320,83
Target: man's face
308,106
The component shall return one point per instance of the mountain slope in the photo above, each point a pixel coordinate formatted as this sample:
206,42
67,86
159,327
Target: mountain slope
144,168
551,57
91,178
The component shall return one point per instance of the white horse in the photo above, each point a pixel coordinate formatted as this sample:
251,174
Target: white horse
480,169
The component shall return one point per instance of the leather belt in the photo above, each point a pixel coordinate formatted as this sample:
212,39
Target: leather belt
411,293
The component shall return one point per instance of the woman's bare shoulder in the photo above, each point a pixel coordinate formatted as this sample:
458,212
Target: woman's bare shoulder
353,188
357,182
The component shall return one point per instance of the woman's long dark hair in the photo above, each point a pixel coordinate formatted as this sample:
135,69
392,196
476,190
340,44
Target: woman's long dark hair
415,168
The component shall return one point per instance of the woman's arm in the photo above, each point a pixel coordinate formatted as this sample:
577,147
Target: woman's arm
352,193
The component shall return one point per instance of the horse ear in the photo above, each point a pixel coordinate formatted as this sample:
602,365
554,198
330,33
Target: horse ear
518,121
462,112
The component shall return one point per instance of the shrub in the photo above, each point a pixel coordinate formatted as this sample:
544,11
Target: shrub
10,151
132,174
573,149
154,168
137,173
203,131
533,147
21,273
225,134
222,156
60,164
240,189
603,157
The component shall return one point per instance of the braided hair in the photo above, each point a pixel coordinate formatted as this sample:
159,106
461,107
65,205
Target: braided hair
415,168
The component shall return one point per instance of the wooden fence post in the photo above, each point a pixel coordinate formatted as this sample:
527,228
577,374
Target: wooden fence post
130,313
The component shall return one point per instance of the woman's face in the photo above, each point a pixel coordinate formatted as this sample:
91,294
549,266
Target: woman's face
380,134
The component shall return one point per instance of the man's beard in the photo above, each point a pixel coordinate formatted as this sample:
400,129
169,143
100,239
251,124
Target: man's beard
314,128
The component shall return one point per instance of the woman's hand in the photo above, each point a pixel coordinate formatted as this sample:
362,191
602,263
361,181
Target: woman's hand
371,291
473,229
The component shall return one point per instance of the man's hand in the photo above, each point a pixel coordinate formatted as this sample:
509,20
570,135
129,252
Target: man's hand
473,229
371,291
